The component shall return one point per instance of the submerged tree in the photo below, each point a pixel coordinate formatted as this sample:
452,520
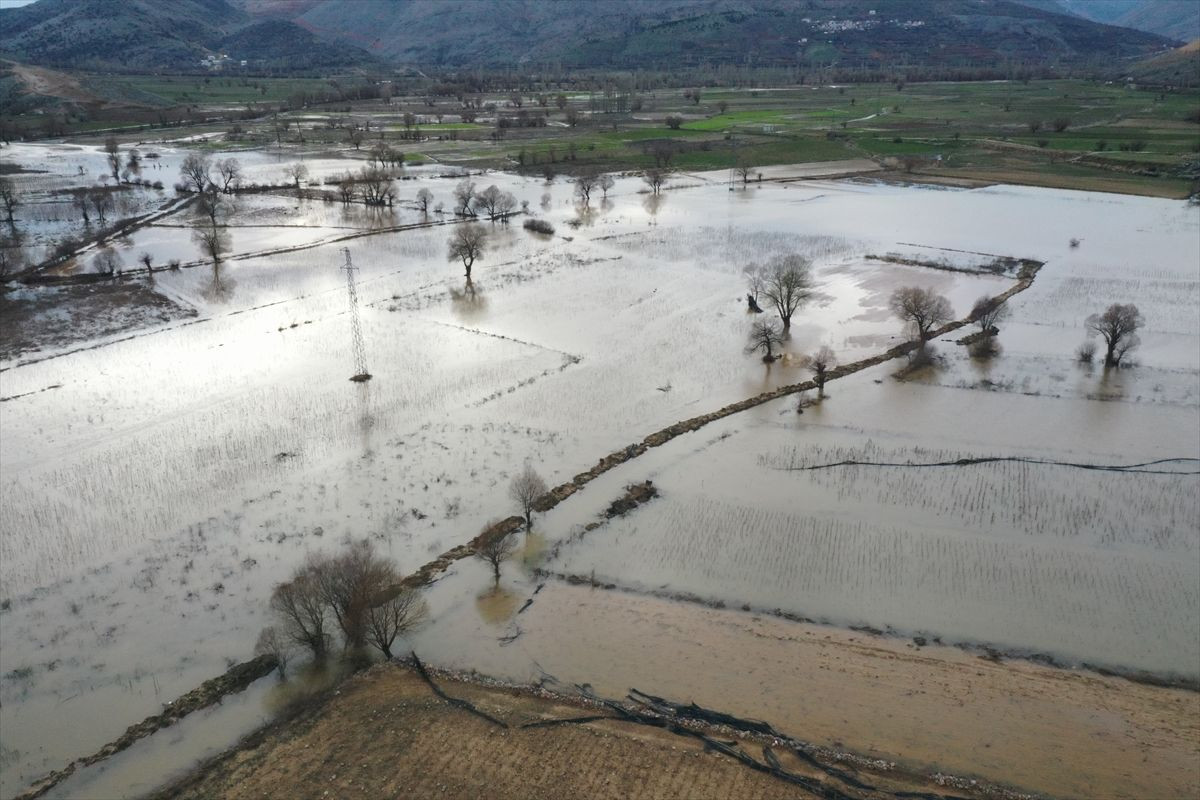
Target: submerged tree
9,198
195,171
1118,327
496,549
764,336
525,490
112,154
300,609
655,178
821,362
921,309
467,244
297,172
464,197
786,283
988,312
349,584
212,241
230,172
398,612
424,198
584,184
272,642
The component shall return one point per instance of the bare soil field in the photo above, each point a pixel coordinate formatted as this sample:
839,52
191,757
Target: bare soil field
58,316
388,735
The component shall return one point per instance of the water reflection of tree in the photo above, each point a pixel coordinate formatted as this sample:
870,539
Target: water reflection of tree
468,303
369,217
497,605
652,203
220,287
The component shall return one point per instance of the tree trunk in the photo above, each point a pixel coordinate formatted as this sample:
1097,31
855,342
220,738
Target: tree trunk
496,568
1108,357
528,519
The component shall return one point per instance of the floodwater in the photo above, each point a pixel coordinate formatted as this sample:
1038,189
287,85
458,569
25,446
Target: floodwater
154,495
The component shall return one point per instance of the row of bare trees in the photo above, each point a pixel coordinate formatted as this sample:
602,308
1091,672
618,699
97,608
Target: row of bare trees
493,201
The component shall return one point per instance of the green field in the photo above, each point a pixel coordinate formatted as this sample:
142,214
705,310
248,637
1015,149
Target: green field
1112,135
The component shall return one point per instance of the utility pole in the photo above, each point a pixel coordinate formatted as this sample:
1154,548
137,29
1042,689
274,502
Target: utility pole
360,351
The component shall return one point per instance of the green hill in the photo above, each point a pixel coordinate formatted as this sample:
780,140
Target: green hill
147,35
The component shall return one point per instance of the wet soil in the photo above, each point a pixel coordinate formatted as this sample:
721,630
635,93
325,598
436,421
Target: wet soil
387,734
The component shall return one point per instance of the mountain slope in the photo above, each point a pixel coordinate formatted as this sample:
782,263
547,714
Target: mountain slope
1179,19
665,33
1175,19
157,34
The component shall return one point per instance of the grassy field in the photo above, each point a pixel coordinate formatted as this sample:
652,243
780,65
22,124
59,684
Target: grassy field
1109,135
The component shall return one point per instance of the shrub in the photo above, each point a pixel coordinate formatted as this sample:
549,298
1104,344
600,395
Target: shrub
539,226
1086,353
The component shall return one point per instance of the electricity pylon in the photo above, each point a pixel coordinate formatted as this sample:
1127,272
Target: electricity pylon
360,349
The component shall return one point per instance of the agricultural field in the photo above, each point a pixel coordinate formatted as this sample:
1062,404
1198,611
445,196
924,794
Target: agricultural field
161,471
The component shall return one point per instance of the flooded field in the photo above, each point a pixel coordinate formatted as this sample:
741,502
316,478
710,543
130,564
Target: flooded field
159,476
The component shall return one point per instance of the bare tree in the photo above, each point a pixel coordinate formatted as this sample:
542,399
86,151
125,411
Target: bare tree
744,171
380,154
673,121
101,202
755,279
80,199
398,612
496,549
764,336
787,285
146,259
572,117
467,243
655,178
346,188
211,203
424,198
9,198
300,609
195,171
921,309
355,136
988,312
376,188
606,182
230,170
506,206
297,172
12,255
272,642
112,152
464,197
560,100
584,184
821,362
213,242
349,584
525,490
489,201
1118,326
106,261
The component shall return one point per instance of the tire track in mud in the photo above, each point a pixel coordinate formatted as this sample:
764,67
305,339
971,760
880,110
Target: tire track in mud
432,570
